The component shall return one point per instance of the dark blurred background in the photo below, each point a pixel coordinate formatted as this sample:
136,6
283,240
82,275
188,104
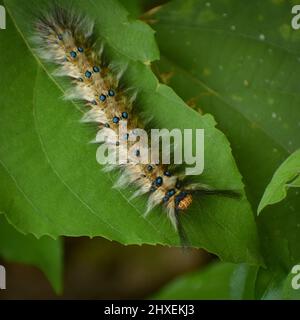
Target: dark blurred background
101,269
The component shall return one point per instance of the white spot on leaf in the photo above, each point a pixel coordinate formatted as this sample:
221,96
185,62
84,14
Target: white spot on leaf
262,37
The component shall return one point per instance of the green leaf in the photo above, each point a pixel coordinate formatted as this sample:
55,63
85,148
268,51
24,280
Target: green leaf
269,284
44,253
53,184
285,177
136,7
240,62
235,282
242,282
288,291
278,285
217,281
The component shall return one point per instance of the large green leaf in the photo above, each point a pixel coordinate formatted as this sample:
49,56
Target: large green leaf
286,176
240,62
52,182
44,253
217,281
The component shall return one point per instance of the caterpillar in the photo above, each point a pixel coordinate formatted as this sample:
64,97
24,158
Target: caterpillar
67,39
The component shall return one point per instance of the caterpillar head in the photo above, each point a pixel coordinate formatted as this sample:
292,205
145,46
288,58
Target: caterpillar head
183,200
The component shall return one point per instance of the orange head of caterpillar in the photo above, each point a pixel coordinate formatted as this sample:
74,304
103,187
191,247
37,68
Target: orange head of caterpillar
185,203
183,200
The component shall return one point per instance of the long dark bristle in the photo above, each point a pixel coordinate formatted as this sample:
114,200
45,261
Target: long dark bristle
225,193
184,241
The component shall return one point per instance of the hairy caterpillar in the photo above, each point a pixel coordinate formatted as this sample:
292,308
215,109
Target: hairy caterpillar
67,39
